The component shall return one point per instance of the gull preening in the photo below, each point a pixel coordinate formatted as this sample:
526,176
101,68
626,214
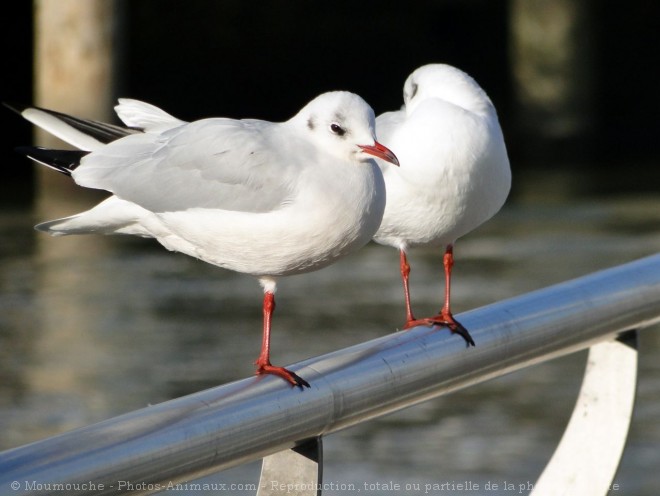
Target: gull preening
256,197
454,172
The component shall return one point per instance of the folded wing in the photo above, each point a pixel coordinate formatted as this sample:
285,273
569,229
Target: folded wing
213,163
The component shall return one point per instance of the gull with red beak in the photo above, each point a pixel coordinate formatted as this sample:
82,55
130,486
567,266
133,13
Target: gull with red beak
256,197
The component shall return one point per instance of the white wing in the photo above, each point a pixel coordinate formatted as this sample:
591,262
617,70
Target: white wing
145,116
213,163
387,124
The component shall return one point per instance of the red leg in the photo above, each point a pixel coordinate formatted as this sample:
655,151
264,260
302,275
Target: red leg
448,262
445,317
405,273
263,362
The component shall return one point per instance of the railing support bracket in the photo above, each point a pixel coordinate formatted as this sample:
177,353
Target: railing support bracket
588,455
293,472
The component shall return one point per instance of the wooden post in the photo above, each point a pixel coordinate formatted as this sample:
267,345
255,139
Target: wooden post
74,65
552,60
74,60
74,73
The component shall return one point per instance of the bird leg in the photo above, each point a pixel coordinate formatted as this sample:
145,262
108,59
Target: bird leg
445,314
445,317
263,362
405,273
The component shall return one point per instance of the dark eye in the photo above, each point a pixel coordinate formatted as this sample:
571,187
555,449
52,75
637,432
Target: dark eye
337,129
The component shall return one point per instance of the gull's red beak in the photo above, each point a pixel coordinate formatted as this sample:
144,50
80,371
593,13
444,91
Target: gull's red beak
380,151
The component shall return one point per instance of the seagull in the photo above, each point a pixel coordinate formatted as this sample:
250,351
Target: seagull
454,173
256,197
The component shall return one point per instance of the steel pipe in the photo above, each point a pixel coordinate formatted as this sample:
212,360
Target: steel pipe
143,451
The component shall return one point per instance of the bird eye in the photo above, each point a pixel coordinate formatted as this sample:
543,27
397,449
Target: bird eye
337,129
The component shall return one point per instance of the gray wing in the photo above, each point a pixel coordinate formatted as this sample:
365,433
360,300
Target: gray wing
213,163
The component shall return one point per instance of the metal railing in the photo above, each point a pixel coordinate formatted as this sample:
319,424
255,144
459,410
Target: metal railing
212,430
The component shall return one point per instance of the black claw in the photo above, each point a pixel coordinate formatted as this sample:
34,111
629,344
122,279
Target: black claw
463,332
300,382
293,379
454,326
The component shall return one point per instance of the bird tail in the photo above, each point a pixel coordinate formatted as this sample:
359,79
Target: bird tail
111,216
84,134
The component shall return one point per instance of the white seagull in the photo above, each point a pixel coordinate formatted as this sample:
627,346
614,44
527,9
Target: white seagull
454,173
260,198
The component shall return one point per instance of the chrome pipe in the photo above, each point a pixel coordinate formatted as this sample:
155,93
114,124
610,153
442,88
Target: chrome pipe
144,451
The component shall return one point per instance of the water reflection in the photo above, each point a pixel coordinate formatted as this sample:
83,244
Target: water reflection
91,328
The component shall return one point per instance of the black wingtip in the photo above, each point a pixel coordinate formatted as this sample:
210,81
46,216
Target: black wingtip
100,131
16,107
63,161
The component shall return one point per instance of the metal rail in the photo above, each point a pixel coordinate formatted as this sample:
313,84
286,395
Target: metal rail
142,451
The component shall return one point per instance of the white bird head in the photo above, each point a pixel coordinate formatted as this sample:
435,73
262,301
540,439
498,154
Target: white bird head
343,124
447,83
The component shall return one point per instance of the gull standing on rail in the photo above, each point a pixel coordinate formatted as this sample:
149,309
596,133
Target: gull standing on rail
454,172
260,198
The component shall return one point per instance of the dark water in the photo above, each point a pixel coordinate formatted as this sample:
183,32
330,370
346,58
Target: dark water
92,327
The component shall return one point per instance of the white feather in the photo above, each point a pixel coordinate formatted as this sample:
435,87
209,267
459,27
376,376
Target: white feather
145,116
61,129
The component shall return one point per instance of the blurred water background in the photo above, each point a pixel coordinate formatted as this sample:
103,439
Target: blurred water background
92,327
